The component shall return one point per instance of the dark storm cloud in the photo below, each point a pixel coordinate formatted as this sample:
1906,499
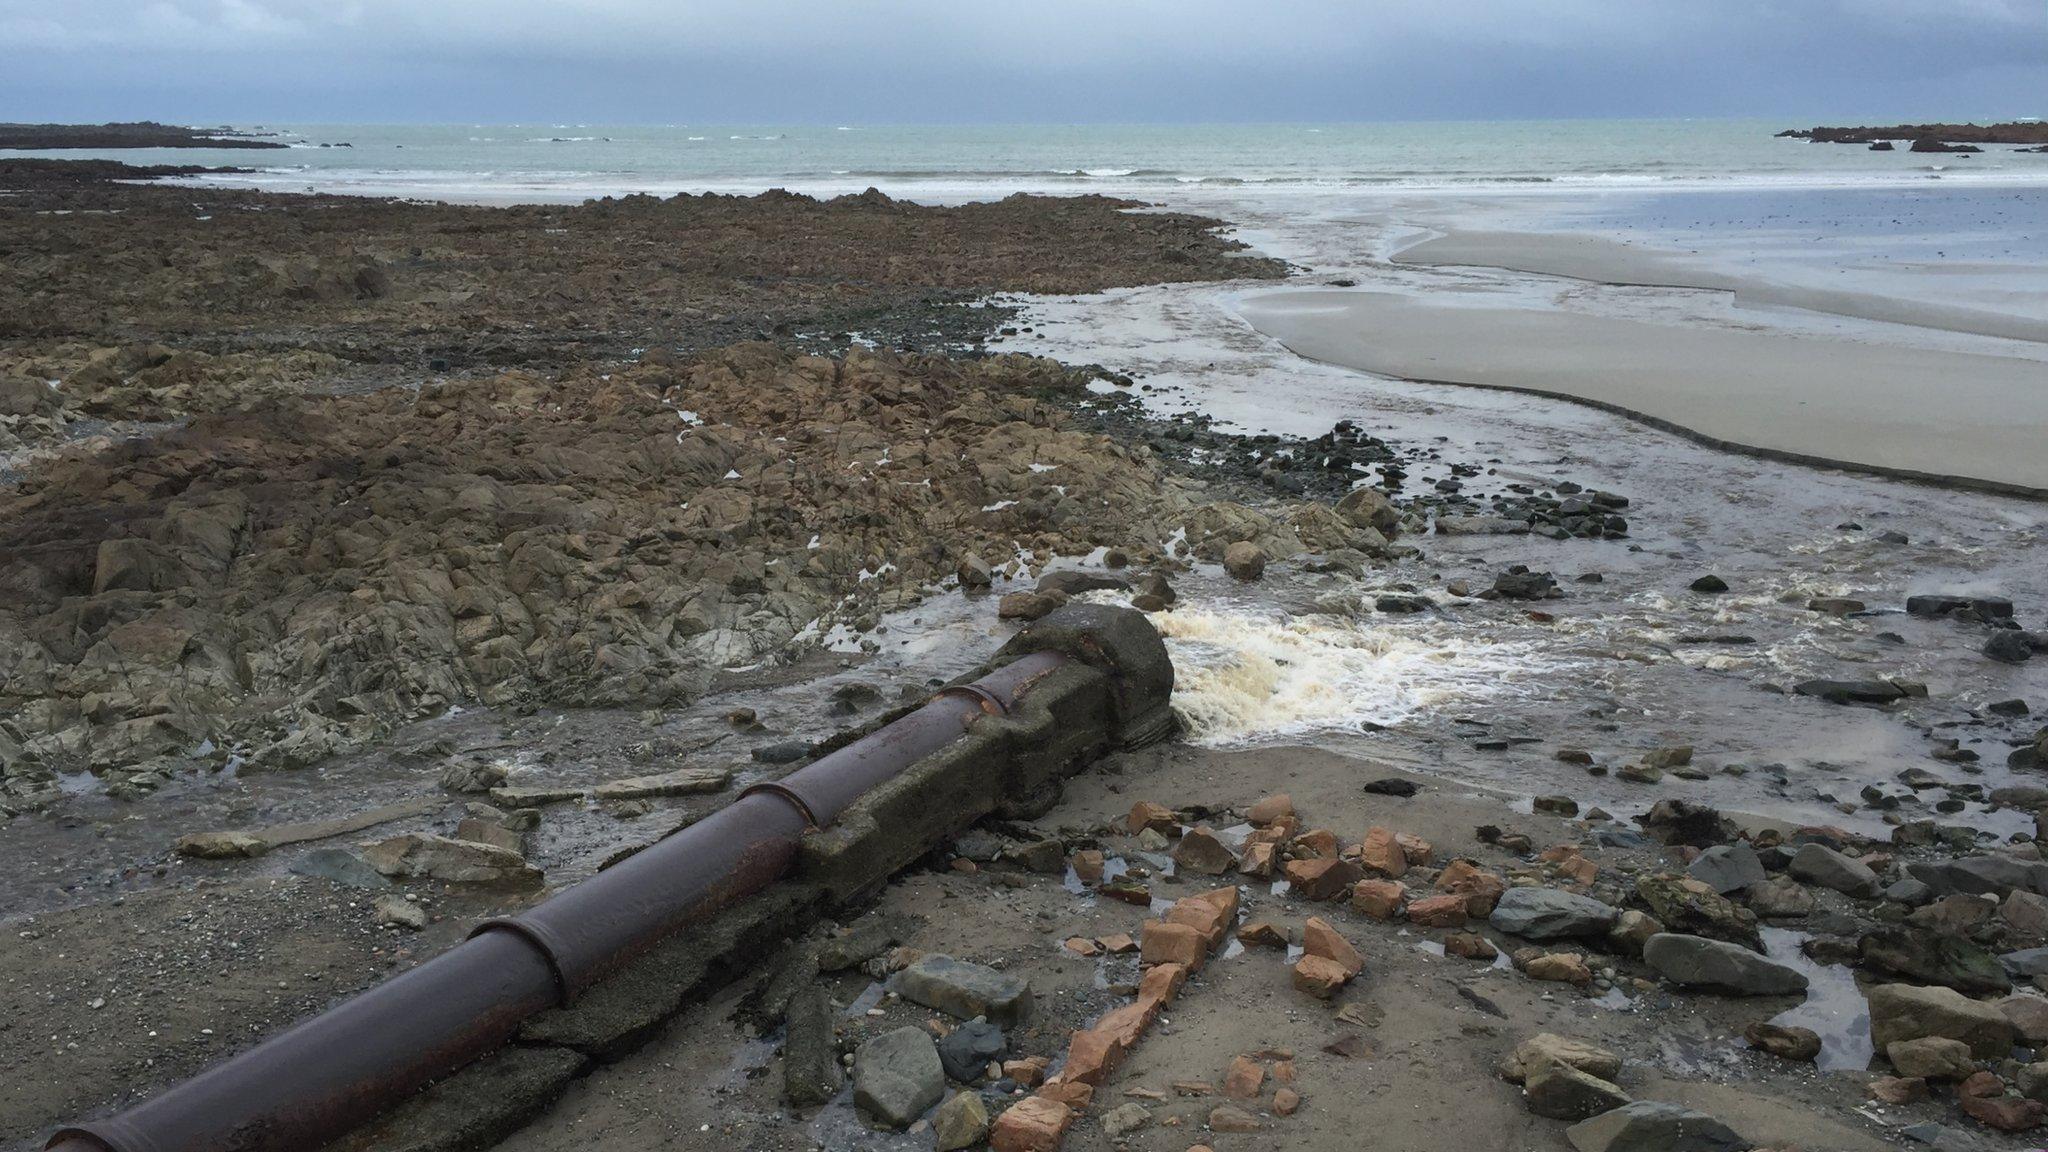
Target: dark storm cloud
1032,60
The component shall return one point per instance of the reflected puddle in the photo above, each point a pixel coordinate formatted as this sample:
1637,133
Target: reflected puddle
1835,1008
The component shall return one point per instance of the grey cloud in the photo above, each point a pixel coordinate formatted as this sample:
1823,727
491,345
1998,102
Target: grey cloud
914,60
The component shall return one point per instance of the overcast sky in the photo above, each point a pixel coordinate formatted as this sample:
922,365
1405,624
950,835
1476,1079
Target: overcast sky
1060,61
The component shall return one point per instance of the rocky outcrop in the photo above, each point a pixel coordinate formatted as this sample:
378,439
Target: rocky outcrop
283,582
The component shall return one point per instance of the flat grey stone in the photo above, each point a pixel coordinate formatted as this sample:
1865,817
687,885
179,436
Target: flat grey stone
1695,961
1653,1126
1551,914
1975,874
1728,868
897,1076
1822,865
964,989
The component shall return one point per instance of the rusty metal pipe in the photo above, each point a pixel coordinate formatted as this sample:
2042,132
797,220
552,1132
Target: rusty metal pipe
316,1081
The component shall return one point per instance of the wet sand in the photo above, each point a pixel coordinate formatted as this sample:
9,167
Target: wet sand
1960,418
1606,261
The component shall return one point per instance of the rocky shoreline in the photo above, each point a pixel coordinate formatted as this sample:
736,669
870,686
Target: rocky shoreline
138,134
358,592
1928,137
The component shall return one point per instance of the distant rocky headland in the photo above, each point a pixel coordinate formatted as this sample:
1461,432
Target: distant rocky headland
1929,137
140,134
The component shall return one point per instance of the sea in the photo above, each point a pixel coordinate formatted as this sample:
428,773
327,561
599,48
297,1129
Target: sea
571,161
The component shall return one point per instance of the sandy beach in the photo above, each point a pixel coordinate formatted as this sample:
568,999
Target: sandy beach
1967,419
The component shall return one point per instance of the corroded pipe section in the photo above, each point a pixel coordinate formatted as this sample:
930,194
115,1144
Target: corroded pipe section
320,1079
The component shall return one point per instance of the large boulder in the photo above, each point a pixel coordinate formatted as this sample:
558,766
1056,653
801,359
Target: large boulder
1823,866
1550,1048
1728,868
1971,875
1685,905
1562,1092
1551,914
897,1076
1654,1126
964,989
1909,1012
1695,961
1370,508
1934,957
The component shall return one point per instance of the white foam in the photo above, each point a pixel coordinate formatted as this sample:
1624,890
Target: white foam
1243,676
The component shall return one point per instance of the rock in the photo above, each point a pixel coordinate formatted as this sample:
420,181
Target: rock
1561,1092
1125,1119
1033,1124
1931,1058
810,1061
960,1122
1550,1048
1683,822
1728,868
1556,805
1853,691
1201,852
1278,806
966,1051
1955,915
1392,786
897,1077
1897,1090
1469,946
1695,961
1550,914
2024,913
1047,857
974,572
1370,508
1319,976
964,989
1519,583
479,831
1783,1041
1074,582
454,861
221,845
1984,608
2008,646
1970,875
1378,899
1909,1012
1983,1099
1820,865
1557,967
1324,879
1709,583
1320,938
1934,957
1146,815
397,912
1030,605
1382,855
1243,1079
1244,561
1632,930
2029,1016
1653,1126
1780,898
1225,1118
1685,905
1443,911
1166,943
2032,1081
